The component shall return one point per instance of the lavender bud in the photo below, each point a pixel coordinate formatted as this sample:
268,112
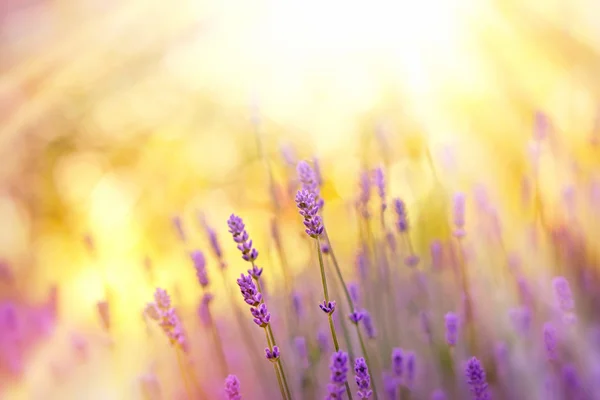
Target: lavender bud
476,379
308,208
237,228
451,322
368,324
232,388
355,316
562,294
361,265
339,375
328,307
200,267
354,290
261,315
398,362
297,303
272,355
402,221
363,380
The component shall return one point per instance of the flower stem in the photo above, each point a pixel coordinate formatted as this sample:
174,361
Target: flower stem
366,355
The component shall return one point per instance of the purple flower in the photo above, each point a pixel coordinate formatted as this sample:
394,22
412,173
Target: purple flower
338,368
562,294
398,362
368,324
168,320
550,340
361,265
200,266
261,315
354,290
237,228
363,380
379,181
390,384
310,181
521,319
451,322
302,350
232,388
459,214
402,222
255,272
476,379
355,316
328,307
308,208
272,355
323,341
571,382
438,394
297,303
249,291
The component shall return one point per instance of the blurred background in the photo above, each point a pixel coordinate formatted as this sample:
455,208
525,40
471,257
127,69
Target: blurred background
117,116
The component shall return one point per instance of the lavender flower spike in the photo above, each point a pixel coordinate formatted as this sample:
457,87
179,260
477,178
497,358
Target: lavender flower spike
308,208
550,341
261,315
368,324
459,214
168,320
232,388
237,228
451,321
200,266
476,379
379,181
339,375
402,222
398,362
249,291
363,380
562,294
310,181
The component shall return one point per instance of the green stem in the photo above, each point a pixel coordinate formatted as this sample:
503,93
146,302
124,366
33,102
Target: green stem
275,365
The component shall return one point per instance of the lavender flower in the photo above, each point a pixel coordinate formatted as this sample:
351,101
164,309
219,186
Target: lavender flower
302,350
398,362
571,382
328,307
390,384
261,315
339,375
310,181
308,208
363,380
200,266
272,355
459,214
368,324
237,228
451,321
476,379
562,294
379,181
168,320
323,342
356,316
354,290
249,291
402,222
521,319
232,388
361,265
438,395
550,340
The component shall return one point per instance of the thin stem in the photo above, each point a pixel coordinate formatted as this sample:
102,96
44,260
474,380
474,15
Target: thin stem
333,334
366,355
183,374
322,266
219,344
279,382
